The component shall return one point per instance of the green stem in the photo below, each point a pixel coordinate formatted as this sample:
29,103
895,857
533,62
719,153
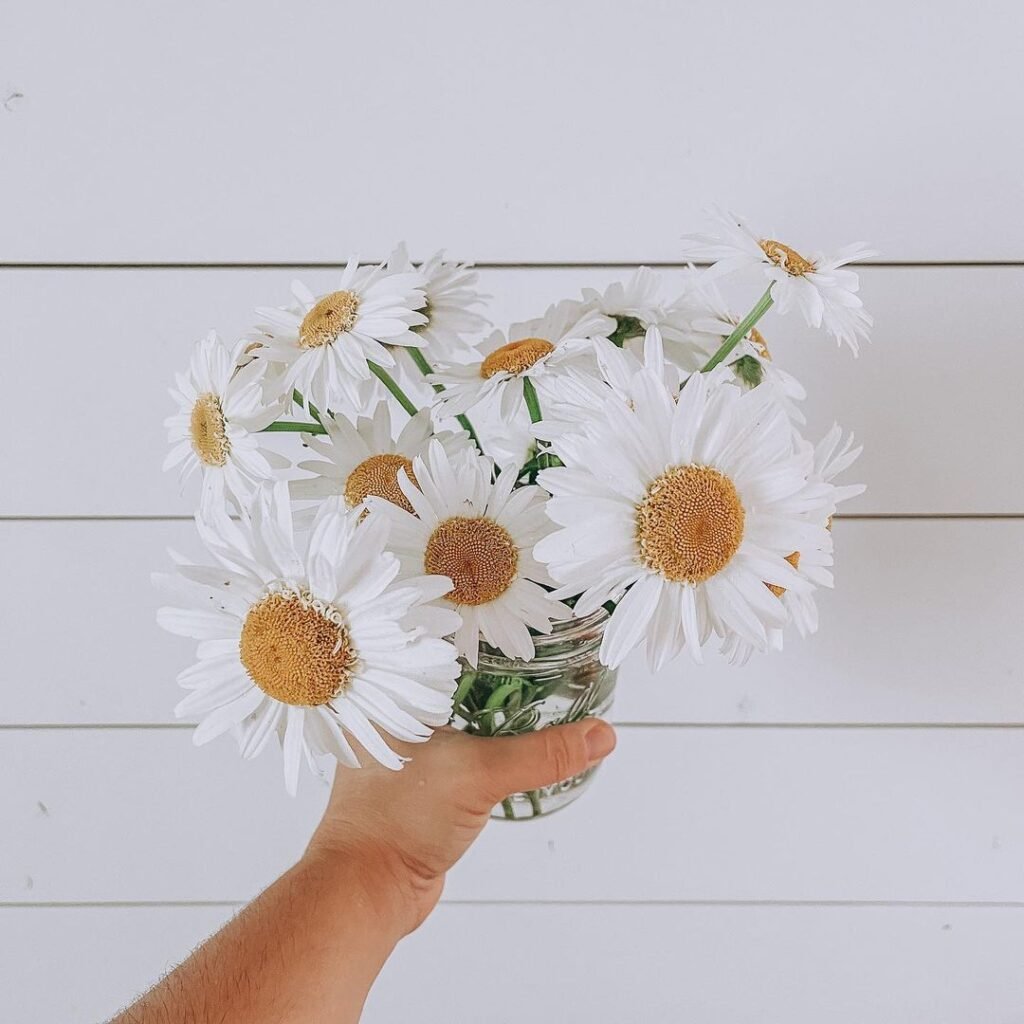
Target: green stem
389,382
301,402
506,806
532,402
742,330
534,797
426,369
295,428
417,356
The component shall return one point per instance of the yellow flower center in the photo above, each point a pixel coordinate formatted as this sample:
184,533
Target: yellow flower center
757,338
515,357
689,524
378,475
331,317
209,431
794,560
789,259
296,650
478,555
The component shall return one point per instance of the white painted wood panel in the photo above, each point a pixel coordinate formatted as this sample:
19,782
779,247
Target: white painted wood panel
570,131
676,814
922,627
602,964
94,351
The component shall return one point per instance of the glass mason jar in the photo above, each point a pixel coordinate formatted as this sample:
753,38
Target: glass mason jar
563,683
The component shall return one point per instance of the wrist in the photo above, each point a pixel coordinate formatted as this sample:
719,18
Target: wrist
378,881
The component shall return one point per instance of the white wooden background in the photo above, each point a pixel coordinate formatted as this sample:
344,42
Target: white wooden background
836,834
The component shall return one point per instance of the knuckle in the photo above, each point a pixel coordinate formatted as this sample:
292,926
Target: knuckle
562,753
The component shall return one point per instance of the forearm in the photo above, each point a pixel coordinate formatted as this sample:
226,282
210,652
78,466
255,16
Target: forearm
307,950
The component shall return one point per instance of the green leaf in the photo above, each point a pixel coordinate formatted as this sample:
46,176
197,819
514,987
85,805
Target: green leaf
749,370
626,327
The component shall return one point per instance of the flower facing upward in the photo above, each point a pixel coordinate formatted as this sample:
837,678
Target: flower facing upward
541,350
681,510
326,343
813,283
481,535
364,459
220,411
314,643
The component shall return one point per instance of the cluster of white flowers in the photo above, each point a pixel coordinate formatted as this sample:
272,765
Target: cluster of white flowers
462,487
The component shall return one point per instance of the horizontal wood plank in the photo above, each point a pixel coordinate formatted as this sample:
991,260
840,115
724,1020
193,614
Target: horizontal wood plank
711,814
602,964
922,627
574,133
92,383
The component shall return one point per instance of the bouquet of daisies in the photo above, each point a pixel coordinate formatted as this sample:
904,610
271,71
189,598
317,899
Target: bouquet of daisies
455,495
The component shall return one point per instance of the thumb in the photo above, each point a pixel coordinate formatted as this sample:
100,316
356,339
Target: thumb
537,759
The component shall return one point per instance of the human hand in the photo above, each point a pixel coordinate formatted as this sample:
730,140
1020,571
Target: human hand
405,829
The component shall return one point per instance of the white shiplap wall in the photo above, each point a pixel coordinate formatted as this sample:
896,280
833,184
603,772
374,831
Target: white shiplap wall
831,834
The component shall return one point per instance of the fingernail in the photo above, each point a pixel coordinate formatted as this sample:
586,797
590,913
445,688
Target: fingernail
600,740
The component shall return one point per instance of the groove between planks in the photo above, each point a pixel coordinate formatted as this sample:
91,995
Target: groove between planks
480,265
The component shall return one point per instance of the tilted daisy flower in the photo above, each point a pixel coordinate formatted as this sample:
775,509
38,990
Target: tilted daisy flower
711,322
681,510
540,350
481,535
221,409
316,643
451,295
363,459
815,284
326,343
831,456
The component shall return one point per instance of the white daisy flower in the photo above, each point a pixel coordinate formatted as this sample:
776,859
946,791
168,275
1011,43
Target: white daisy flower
540,350
317,644
815,284
830,457
364,458
451,295
618,366
582,392
481,534
327,343
680,510
365,395
636,306
221,409
711,322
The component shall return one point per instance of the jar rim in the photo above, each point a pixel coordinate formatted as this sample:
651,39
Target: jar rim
562,630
